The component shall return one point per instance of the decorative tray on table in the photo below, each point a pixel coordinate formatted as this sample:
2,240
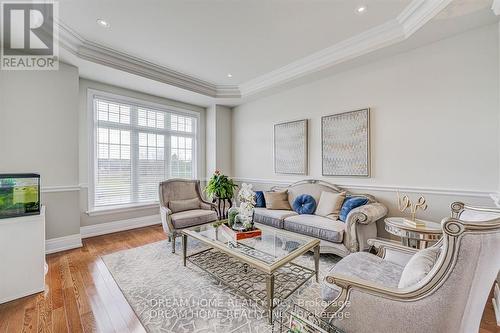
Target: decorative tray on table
237,235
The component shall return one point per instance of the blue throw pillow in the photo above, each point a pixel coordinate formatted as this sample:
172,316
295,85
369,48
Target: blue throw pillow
260,201
304,204
350,204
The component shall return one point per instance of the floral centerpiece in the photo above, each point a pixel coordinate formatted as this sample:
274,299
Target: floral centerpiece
246,197
239,224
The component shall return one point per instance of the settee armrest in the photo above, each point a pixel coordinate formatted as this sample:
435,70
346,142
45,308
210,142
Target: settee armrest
165,218
367,214
360,225
346,284
392,251
207,205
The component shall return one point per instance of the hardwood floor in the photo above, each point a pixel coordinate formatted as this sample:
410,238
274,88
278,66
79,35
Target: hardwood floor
82,296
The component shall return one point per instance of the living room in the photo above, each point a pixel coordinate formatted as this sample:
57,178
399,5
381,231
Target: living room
250,166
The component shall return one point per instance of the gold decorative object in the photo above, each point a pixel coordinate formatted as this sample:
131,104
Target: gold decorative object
404,203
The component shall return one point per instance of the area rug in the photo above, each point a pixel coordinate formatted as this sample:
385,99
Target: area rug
168,297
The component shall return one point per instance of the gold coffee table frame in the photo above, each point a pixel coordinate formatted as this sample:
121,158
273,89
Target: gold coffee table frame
269,269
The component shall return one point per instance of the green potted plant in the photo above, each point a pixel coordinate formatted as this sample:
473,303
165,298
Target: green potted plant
220,188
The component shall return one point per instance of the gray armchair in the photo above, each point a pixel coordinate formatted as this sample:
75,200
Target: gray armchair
440,289
181,206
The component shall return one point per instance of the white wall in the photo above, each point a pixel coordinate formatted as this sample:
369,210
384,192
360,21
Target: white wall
218,139
211,140
38,126
434,122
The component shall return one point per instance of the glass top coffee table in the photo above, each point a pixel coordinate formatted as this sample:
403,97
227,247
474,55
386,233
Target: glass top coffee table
261,268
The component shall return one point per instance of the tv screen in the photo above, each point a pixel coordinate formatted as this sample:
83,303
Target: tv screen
19,195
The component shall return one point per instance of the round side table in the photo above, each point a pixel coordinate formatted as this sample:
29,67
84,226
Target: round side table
429,233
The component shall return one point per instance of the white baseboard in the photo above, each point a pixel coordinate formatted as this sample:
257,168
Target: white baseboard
63,243
116,226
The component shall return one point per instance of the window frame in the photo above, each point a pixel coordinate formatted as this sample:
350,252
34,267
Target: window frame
93,94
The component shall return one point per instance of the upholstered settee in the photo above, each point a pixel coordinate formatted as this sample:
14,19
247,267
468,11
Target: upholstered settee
182,206
441,289
338,237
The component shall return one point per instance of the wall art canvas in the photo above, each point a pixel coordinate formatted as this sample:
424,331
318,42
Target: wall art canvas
345,140
290,147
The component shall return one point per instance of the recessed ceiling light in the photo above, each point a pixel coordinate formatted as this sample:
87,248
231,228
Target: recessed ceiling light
229,75
103,23
361,9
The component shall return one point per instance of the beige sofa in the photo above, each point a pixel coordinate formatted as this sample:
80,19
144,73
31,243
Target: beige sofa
336,237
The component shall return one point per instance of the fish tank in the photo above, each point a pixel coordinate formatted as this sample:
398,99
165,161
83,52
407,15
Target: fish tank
19,195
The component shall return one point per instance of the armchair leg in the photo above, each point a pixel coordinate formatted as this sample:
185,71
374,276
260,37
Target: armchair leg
173,243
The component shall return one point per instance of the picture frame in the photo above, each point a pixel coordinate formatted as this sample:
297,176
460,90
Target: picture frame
345,144
291,147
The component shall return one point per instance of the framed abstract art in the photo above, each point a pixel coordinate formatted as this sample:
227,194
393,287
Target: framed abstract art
345,140
290,148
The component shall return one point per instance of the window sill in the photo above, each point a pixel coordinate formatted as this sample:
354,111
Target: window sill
121,209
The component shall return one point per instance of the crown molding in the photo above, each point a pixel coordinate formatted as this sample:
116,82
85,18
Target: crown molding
412,18
103,55
418,13
382,35
495,7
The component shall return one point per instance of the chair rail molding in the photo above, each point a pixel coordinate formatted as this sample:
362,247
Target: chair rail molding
380,188
60,188
495,196
412,18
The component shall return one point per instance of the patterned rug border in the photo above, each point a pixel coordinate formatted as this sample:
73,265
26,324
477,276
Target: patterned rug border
110,259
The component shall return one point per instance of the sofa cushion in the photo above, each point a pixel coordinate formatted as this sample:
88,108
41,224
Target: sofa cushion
316,226
313,189
277,200
190,218
304,204
271,217
419,266
182,205
260,201
365,266
349,204
329,204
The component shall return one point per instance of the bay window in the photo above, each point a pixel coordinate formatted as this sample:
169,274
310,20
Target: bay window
135,146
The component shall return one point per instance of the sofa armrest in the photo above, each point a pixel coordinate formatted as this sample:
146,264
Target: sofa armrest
393,252
360,225
367,214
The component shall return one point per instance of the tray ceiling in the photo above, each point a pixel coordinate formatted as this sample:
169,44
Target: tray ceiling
193,45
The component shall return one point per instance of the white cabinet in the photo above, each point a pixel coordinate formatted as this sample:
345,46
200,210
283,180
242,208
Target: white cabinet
22,256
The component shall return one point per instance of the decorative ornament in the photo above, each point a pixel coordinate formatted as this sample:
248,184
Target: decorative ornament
405,203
